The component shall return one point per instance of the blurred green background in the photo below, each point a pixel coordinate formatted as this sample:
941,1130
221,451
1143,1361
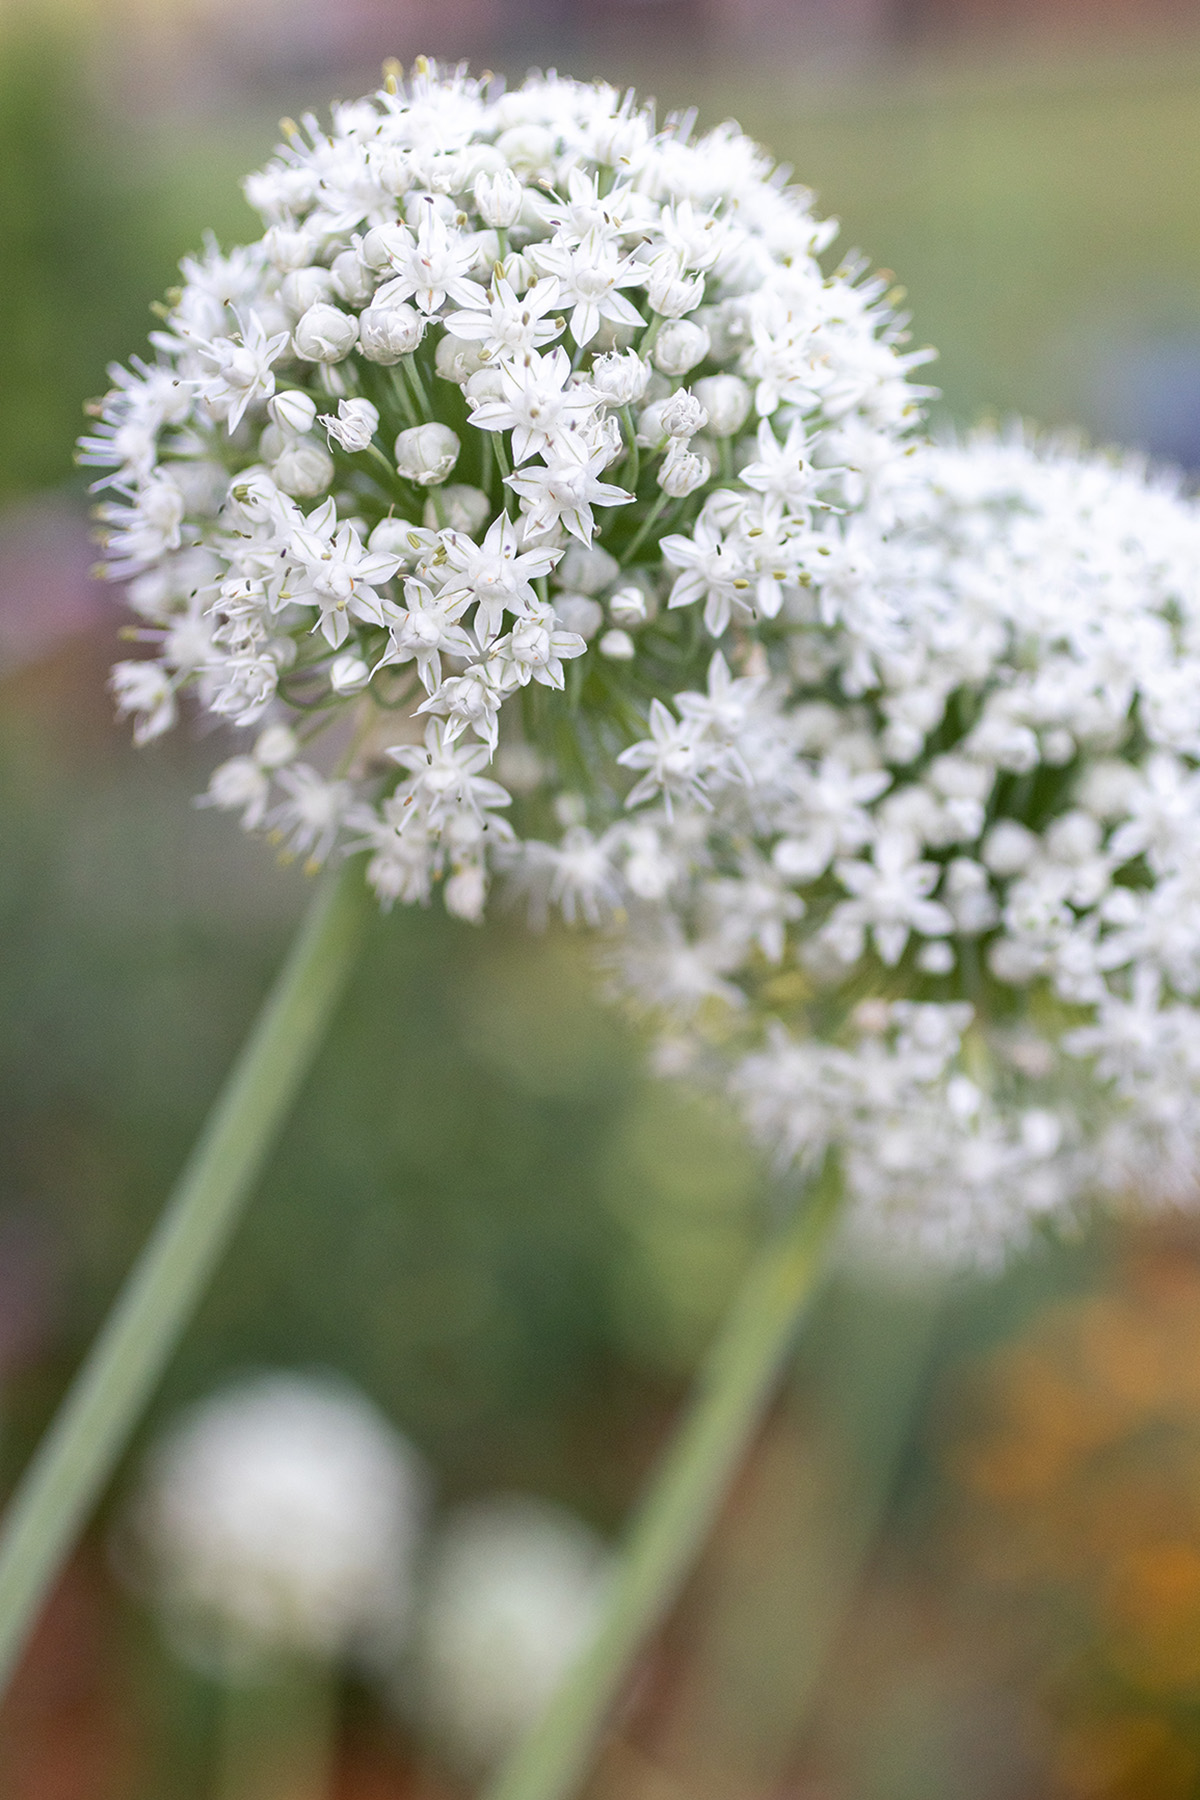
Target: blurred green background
484,1213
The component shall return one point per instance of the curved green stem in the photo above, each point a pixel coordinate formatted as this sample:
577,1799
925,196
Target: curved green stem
731,1396
79,1452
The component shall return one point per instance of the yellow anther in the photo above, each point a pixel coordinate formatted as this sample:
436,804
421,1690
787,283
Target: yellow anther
393,74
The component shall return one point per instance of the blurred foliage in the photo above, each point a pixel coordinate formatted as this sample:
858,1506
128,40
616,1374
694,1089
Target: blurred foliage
1079,1459
92,230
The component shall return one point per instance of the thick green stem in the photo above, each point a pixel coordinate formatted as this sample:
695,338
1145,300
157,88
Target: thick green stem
732,1394
83,1445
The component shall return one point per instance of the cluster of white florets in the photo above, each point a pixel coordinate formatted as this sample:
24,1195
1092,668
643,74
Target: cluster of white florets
430,475
950,850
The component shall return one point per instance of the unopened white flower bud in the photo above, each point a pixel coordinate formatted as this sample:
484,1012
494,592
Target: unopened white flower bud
351,278
348,674
588,568
288,248
304,288
620,377
628,606
682,416
486,383
680,345
457,359
382,243
935,959
577,613
386,333
726,400
499,199
466,509
618,646
427,453
304,470
275,745
1073,837
356,424
324,334
672,294
651,432
529,149
1008,848
293,411
1058,748
1107,789
682,472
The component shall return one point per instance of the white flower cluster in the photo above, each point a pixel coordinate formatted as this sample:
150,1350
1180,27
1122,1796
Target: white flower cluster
447,489
433,470
512,1591
948,840
281,1516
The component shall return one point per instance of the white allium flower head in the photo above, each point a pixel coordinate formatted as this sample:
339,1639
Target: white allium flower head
510,288
921,884
281,1516
512,1591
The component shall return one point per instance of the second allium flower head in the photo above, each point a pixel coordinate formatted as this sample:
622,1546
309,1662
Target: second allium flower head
437,474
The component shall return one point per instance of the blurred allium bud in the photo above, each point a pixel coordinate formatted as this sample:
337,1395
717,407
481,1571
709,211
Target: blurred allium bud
512,1591
280,1517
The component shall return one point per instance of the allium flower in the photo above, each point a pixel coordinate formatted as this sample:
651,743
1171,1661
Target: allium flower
944,840
375,446
281,1517
514,1586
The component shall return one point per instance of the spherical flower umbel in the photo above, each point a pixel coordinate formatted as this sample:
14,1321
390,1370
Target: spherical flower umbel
484,334
922,884
513,1588
280,1518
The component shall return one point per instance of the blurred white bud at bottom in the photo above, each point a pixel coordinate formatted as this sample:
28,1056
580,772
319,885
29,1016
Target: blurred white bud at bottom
279,1518
513,1590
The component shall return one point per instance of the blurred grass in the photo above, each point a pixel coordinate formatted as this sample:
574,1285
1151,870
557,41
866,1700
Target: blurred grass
1029,214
